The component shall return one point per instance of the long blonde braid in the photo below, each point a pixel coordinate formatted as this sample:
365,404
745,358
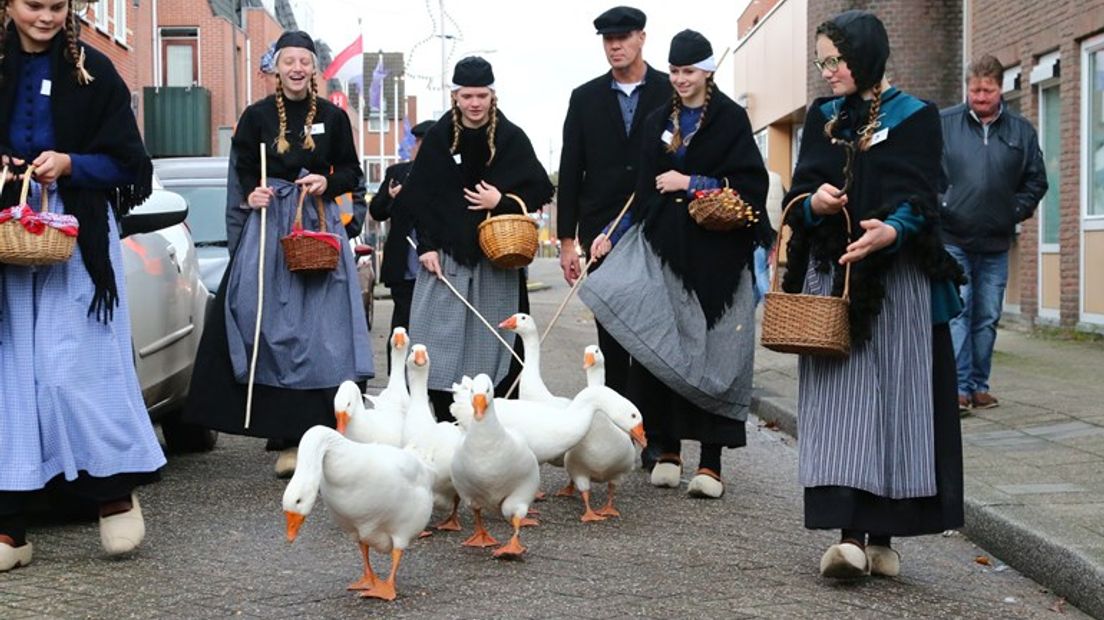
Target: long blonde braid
282,144
308,137
455,127
73,51
873,119
491,129
676,134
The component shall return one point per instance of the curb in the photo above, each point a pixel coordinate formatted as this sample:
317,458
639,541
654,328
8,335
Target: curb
1034,553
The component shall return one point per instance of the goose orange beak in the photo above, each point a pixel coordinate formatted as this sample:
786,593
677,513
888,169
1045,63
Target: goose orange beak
294,522
400,340
510,323
479,403
342,420
637,434
588,360
420,357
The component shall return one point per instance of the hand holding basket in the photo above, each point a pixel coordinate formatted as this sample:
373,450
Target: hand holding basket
307,250
509,241
721,209
28,237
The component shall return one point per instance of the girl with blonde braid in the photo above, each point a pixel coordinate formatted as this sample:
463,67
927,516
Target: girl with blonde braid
313,332
472,162
72,416
676,295
879,443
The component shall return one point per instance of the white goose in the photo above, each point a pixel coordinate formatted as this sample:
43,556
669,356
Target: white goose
605,453
494,468
396,392
531,384
379,494
438,440
551,430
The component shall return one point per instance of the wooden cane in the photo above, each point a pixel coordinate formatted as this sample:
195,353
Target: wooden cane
260,294
494,331
575,287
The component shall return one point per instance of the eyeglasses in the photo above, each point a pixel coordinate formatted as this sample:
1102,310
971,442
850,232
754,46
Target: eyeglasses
831,63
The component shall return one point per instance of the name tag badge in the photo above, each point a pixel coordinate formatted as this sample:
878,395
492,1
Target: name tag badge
667,137
47,85
879,136
318,128
456,158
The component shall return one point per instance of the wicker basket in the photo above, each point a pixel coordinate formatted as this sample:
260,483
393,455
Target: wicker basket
721,210
509,241
46,246
807,324
304,250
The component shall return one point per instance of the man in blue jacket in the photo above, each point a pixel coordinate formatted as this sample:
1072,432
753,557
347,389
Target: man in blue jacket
994,178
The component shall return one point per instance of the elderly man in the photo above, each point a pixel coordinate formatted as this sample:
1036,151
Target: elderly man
994,179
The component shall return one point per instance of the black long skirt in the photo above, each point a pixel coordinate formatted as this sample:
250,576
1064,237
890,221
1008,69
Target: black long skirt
670,417
217,401
838,507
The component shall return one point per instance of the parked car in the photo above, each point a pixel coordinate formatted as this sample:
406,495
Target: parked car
167,303
202,182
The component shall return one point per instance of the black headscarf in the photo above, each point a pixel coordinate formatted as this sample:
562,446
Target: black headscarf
862,41
92,118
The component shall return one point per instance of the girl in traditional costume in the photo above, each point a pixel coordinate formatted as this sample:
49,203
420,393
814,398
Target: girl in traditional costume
880,451
472,162
313,332
680,297
71,410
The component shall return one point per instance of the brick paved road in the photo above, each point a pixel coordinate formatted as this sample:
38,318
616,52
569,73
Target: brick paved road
216,548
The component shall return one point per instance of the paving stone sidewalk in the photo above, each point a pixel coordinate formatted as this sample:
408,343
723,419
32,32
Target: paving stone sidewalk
1034,465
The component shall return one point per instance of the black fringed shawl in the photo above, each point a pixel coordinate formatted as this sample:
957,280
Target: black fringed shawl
434,189
708,263
93,118
904,168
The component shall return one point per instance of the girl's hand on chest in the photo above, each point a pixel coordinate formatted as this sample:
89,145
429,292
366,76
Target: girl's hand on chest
485,197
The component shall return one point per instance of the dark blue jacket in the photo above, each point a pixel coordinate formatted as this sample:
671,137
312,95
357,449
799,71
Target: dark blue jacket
993,178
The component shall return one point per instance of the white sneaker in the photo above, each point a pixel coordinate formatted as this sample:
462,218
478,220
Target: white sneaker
123,532
285,463
884,561
14,557
844,561
667,475
706,484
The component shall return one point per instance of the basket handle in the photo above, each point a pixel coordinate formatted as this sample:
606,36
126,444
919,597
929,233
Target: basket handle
299,212
774,259
3,178
26,185
524,209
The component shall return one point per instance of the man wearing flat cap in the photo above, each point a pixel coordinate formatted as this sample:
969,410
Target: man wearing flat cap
400,261
601,146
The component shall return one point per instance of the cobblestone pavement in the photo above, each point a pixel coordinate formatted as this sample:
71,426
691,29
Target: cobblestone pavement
216,548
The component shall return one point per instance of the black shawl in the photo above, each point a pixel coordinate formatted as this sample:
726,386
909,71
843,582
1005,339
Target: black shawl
434,189
904,168
708,263
93,118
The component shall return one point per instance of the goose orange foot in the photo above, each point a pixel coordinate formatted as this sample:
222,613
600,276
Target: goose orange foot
589,516
540,496
385,590
425,534
451,524
369,580
512,550
480,537
567,491
608,511
529,522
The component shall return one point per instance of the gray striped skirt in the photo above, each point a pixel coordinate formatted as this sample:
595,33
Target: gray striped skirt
866,421
458,343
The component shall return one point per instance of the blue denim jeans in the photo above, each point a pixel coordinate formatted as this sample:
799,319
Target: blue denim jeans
974,332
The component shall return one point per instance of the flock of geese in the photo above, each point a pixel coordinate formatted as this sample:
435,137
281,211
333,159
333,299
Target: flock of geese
390,463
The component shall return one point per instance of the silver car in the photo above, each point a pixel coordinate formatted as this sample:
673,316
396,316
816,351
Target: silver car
167,303
202,183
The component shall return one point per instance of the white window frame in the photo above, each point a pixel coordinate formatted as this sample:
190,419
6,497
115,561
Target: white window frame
103,20
1095,222
374,125
121,21
1045,248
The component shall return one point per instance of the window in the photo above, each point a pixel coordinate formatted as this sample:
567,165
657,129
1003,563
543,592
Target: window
1094,130
375,125
179,56
99,11
1050,129
121,21
761,142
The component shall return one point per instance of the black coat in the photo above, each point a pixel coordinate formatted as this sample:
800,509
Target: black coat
598,163
396,247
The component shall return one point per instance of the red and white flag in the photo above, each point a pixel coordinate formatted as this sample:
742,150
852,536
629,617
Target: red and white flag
348,64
